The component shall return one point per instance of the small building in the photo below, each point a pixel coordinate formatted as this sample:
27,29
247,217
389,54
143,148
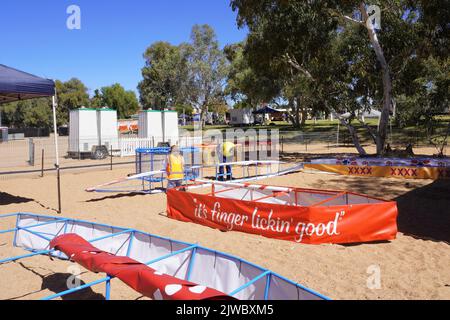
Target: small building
93,131
160,126
241,116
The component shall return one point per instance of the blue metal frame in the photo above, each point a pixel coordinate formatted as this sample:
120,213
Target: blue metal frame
189,173
189,247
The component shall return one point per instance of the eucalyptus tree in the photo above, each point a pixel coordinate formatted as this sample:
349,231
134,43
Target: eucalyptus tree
347,56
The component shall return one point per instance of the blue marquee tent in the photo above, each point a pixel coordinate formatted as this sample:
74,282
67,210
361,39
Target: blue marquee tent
266,110
17,85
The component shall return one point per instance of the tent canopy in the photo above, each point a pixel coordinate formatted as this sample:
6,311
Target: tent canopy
266,110
18,85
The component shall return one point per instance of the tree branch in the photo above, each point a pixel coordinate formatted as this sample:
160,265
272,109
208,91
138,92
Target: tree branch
372,133
353,20
294,63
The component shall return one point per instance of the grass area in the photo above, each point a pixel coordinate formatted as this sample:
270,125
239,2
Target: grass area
397,136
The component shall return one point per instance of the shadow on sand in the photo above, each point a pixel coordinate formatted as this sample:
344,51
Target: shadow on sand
57,282
6,199
423,212
122,195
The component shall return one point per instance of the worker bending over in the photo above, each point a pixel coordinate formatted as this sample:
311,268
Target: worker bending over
174,168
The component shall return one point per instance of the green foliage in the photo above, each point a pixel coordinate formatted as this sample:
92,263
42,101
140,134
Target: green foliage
207,70
164,75
28,113
71,94
38,112
186,109
244,86
192,73
115,97
320,55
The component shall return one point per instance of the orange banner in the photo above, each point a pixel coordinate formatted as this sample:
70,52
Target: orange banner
385,171
311,225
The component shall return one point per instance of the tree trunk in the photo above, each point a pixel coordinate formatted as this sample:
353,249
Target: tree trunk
304,112
203,114
354,135
294,114
387,82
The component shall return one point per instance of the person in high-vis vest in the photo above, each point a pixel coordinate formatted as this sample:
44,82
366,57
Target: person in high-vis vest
226,154
174,168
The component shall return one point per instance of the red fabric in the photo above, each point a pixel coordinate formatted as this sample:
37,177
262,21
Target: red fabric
352,223
138,276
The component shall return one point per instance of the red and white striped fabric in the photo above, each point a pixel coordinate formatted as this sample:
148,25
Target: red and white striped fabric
138,276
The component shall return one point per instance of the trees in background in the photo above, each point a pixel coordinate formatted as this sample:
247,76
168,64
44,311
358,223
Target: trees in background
71,94
191,73
164,76
329,55
117,98
28,113
248,87
207,70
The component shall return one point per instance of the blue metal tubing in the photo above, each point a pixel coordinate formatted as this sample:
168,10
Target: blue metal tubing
191,263
171,254
263,269
112,235
52,250
301,287
108,279
108,290
34,226
189,244
262,275
37,234
44,223
266,290
8,231
26,256
130,243
84,286
108,226
8,215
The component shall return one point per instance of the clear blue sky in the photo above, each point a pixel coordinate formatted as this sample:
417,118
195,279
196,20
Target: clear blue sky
113,36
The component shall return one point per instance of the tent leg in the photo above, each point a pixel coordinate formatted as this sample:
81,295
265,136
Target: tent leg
59,187
58,175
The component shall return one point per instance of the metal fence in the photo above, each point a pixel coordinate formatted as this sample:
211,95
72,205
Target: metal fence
37,155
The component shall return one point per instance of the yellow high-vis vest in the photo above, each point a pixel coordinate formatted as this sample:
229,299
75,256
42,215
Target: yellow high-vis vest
228,149
174,167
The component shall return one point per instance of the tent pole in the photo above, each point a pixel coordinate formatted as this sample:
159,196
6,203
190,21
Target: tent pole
58,176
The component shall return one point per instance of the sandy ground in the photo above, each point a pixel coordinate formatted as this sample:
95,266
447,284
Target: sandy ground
414,266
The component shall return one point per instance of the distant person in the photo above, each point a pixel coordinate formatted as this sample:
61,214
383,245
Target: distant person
174,168
225,153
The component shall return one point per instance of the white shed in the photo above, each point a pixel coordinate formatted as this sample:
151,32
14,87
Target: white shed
241,116
108,128
90,127
160,126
